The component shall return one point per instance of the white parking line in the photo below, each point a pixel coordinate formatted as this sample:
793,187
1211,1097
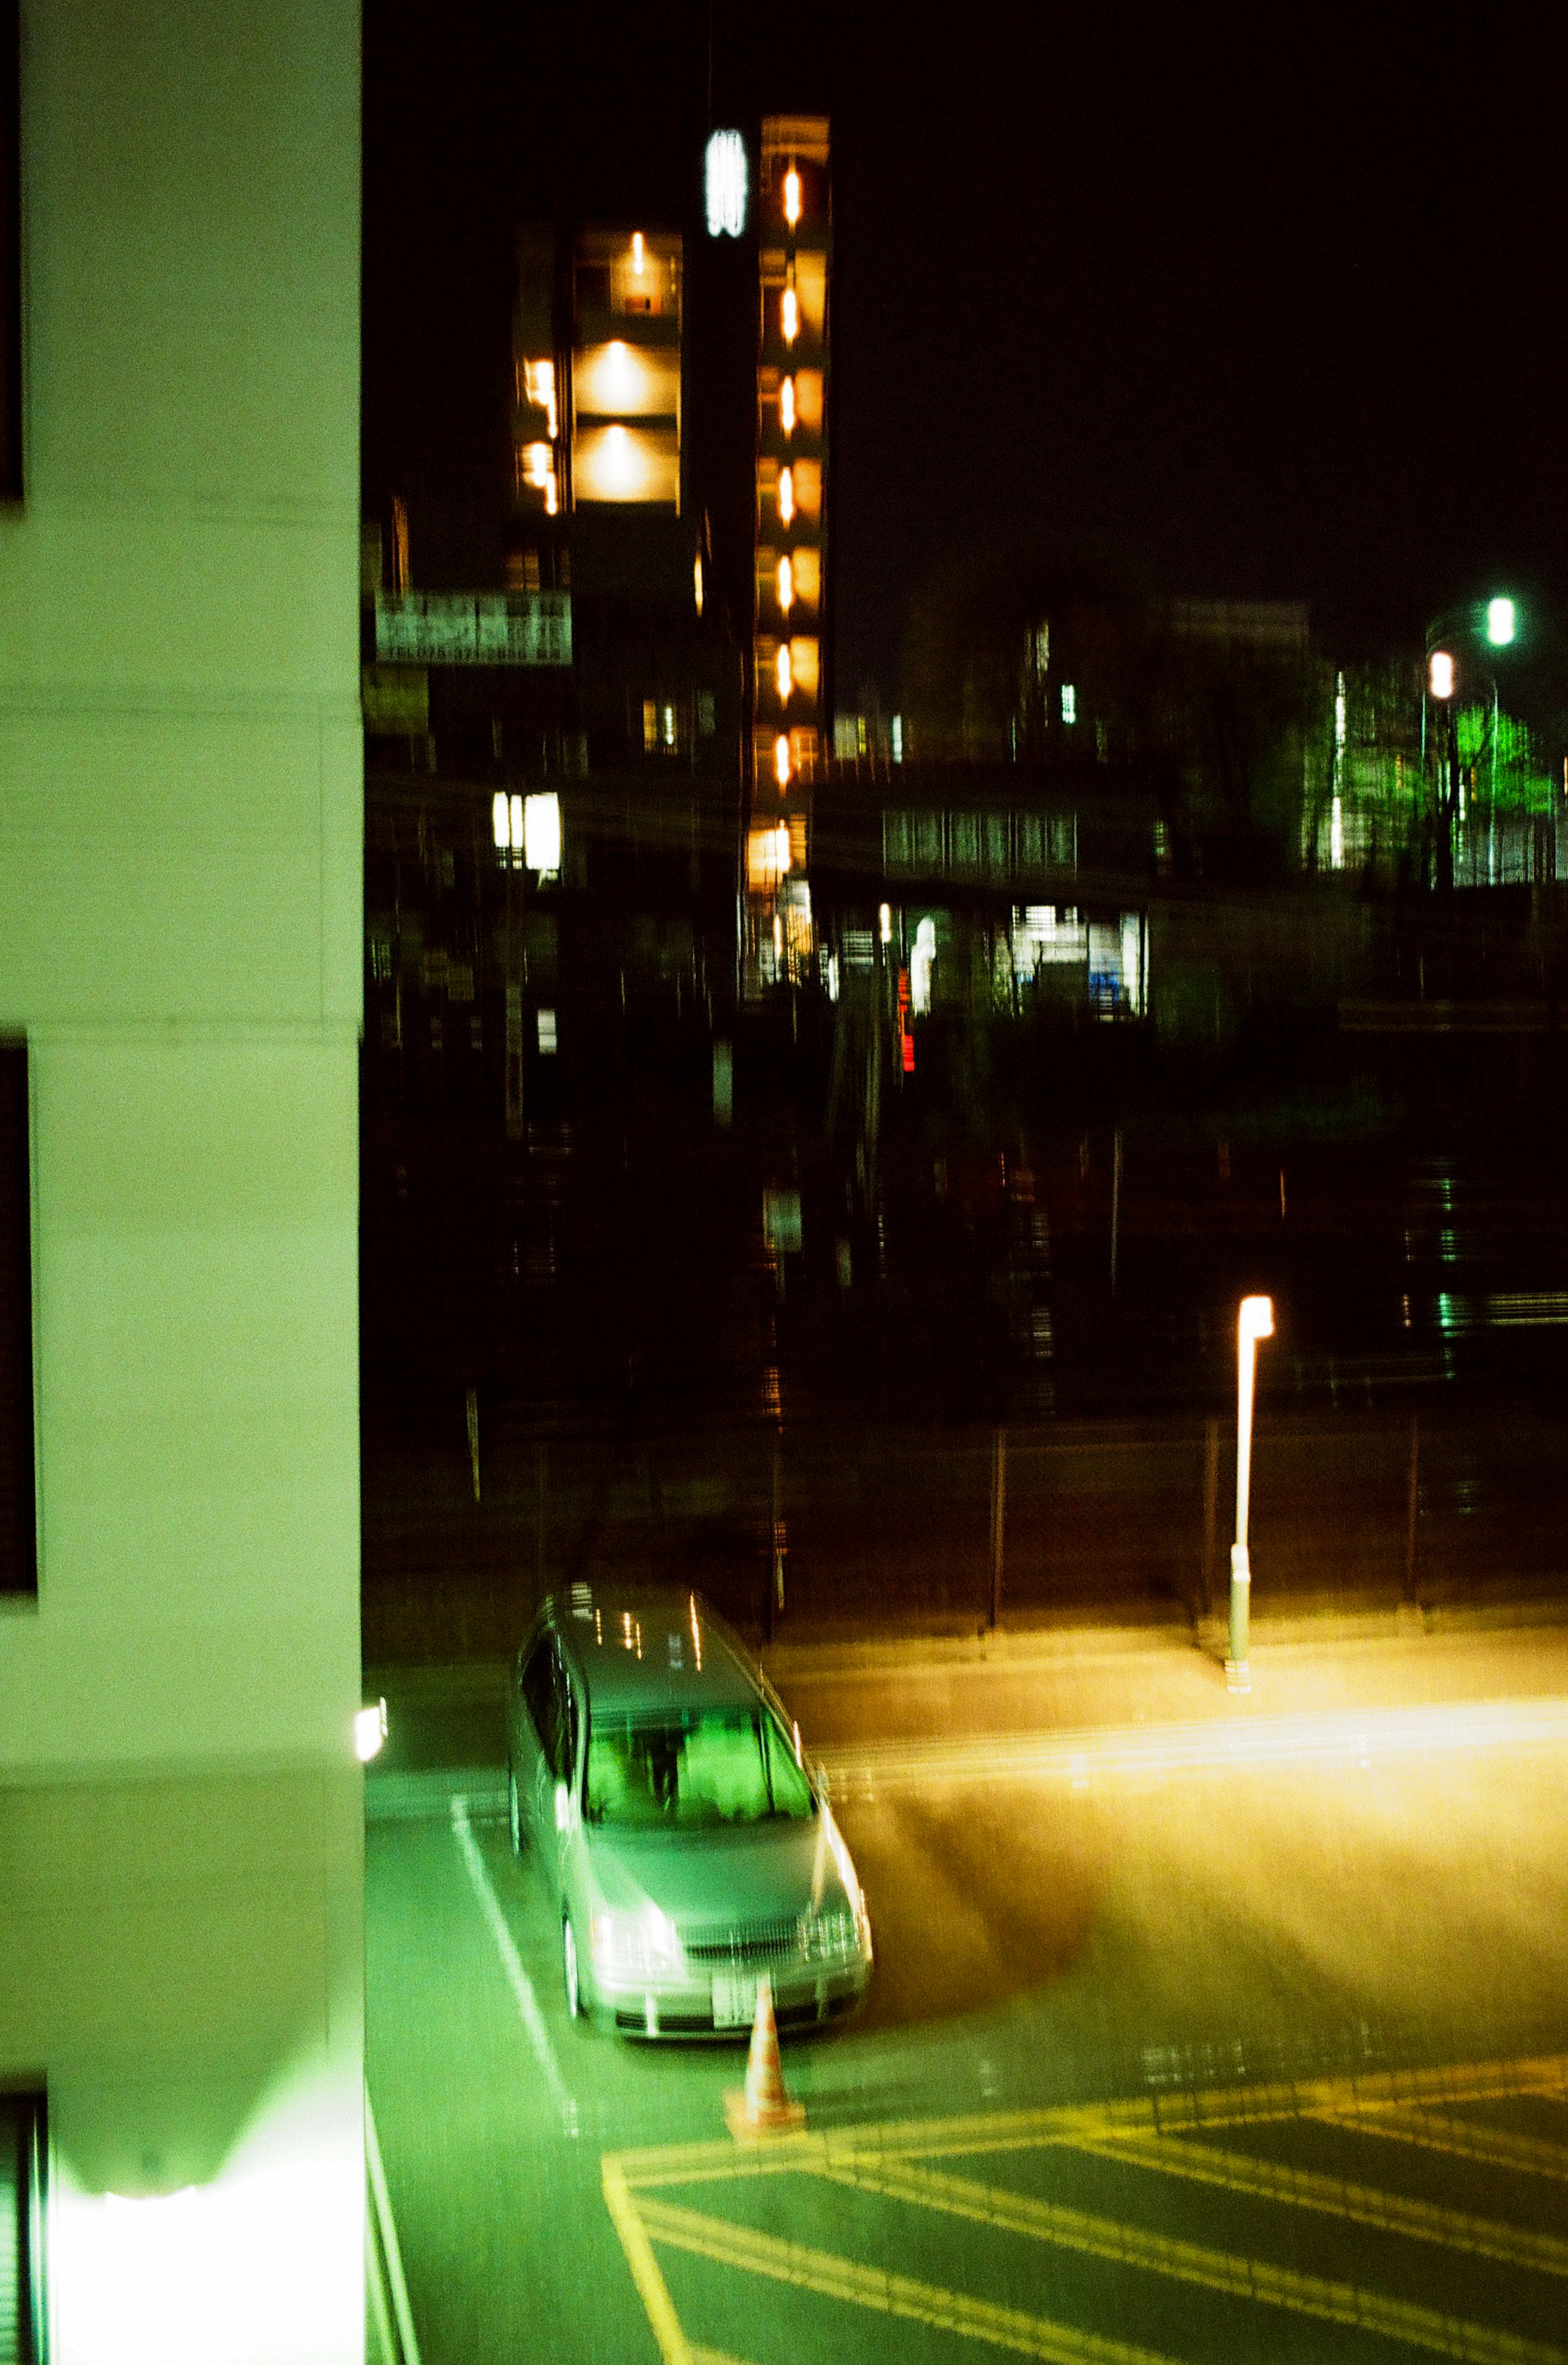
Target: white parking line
511,1962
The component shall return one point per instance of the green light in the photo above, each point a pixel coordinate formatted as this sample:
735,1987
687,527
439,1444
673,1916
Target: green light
1500,622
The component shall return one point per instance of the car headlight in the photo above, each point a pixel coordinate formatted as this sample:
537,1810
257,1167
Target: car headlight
634,1946
832,1931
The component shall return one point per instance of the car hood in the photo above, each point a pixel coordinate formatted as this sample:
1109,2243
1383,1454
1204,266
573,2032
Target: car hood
766,1873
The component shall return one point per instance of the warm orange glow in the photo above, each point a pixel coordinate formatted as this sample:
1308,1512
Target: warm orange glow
792,316
787,406
637,253
791,196
539,388
782,760
536,464
782,672
551,494
697,580
785,581
786,495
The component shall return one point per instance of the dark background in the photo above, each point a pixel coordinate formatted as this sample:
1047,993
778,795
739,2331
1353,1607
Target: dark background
1247,303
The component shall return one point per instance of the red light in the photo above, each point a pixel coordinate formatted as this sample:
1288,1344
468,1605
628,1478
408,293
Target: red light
908,1055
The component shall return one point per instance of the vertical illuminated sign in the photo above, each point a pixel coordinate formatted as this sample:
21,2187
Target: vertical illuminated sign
789,671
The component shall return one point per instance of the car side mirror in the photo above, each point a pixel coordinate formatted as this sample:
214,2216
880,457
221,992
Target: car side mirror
563,1807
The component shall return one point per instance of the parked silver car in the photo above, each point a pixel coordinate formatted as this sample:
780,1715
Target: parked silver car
662,1791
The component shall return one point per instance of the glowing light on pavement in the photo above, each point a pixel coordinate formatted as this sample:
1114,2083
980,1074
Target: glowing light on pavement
1225,1745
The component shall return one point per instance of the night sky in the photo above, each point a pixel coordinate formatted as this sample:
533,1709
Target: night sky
1264,304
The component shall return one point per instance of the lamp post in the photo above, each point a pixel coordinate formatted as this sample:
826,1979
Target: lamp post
1255,1321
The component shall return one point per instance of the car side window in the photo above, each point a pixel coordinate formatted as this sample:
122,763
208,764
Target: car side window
538,1689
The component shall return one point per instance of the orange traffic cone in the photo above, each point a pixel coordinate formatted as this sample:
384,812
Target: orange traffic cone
762,2107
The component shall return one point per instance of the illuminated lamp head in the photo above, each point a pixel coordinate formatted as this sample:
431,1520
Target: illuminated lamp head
637,254
787,406
1440,674
792,316
786,495
781,759
1500,622
1256,1319
786,583
782,854
783,672
791,196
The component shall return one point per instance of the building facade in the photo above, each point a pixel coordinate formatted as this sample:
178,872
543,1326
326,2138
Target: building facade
181,1824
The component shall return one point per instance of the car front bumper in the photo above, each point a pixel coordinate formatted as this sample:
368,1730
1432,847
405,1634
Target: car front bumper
695,2003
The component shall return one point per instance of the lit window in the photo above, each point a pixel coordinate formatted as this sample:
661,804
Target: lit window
782,760
787,406
791,196
514,815
1069,702
536,464
539,388
792,316
725,184
637,254
544,1028
786,495
781,670
541,831
501,819
650,726
786,584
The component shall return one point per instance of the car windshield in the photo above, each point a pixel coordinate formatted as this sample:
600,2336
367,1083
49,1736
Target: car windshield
699,1771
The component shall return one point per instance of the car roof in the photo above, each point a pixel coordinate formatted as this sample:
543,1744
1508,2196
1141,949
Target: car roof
643,1650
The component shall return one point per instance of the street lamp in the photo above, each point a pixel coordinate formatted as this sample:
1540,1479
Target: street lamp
1255,1321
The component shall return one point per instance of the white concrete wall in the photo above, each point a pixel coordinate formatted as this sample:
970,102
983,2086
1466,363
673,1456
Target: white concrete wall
180,866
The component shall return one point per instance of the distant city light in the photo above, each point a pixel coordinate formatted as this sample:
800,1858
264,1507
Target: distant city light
791,196
792,316
897,734
541,831
782,760
1500,622
1069,702
885,923
1440,674
787,406
785,581
786,495
725,184
369,1731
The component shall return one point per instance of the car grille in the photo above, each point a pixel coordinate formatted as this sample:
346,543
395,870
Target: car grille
745,1942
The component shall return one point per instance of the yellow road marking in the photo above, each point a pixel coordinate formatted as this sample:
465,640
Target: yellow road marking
712,2356
651,2286
1429,2131
1241,2278
1331,2196
892,2294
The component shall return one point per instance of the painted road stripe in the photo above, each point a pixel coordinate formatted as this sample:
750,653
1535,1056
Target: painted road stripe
868,1769
890,2295
652,2289
1432,2130
1331,2196
1254,2279
511,1962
